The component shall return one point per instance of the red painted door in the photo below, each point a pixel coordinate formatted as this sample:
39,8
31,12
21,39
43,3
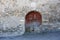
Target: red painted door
33,16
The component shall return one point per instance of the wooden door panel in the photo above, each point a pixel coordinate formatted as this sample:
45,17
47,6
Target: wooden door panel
33,16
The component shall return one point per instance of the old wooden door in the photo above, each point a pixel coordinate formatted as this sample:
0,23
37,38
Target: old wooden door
33,18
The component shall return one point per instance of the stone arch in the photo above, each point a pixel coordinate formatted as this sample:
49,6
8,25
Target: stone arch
33,16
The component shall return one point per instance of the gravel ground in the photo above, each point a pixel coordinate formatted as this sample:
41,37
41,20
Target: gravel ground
32,36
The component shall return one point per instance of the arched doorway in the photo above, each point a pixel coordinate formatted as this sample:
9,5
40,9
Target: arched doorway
33,19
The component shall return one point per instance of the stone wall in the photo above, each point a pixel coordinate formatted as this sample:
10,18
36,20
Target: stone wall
15,10
21,7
